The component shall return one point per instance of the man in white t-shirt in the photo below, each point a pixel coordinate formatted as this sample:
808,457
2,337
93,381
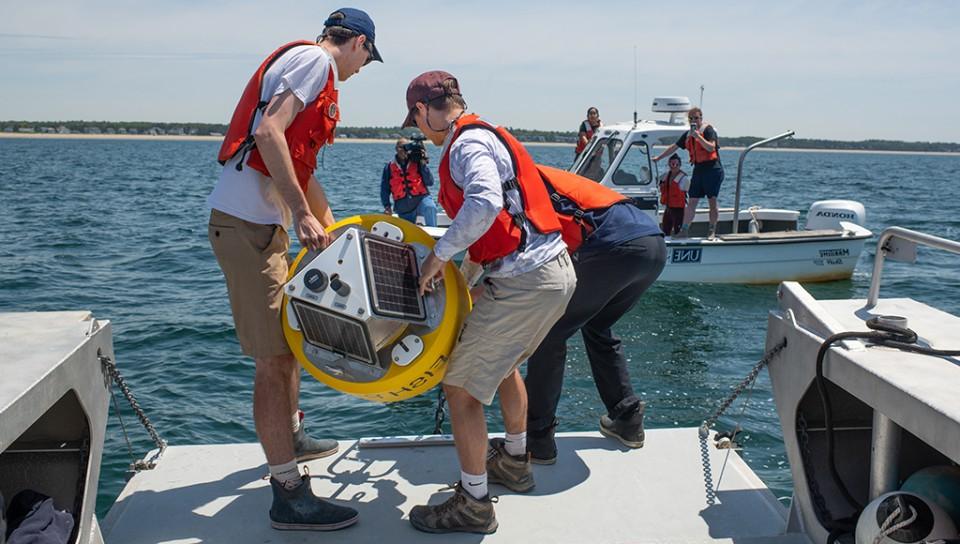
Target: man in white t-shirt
287,112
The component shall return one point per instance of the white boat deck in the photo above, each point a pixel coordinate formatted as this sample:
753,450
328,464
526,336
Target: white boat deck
597,492
917,391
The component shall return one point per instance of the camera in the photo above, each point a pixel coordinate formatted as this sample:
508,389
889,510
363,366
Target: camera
415,150
693,126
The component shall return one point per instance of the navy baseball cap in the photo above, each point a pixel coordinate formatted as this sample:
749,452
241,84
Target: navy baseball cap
358,21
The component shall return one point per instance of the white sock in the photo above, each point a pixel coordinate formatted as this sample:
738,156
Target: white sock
516,443
475,484
287,474
296,421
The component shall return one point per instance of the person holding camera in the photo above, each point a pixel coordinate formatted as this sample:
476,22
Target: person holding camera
406,179
703,145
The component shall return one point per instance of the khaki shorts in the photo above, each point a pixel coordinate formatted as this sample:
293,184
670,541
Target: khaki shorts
254,260
507,324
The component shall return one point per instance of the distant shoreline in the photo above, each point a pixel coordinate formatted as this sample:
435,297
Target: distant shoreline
187,138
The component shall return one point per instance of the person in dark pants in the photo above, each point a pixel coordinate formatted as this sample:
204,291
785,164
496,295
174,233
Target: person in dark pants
614,266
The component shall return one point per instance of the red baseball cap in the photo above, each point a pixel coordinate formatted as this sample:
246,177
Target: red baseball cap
425,88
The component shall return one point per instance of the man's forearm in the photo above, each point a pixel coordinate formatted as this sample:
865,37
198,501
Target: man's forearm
276,156
318,203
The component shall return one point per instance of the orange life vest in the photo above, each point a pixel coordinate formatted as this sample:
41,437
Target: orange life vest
575,199
505,235
582,144
671,195
406,183
698,153
313,127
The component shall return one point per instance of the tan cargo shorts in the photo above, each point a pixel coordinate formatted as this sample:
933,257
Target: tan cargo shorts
254,260
507,324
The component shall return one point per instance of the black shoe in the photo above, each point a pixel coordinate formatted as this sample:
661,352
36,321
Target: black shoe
628,428
541,445
306,448
298,509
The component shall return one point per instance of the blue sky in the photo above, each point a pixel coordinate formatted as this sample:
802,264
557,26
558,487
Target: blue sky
844,70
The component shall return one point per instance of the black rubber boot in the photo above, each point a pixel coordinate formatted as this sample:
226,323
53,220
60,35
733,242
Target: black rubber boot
628,428
298,509
306,448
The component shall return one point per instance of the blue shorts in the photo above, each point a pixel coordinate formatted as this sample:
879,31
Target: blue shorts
706,182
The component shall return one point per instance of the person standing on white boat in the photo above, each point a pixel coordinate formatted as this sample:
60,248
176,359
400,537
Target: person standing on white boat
287,112
673,195
587,128
618,260
703,145
505,219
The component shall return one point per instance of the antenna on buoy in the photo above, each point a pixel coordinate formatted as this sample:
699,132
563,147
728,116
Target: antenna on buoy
701,95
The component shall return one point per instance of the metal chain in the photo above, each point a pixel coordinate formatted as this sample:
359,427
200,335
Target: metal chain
707,471
111,367
803,437
439,414
704,433
746,382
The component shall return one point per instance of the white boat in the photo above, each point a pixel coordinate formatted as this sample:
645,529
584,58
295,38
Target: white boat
765,245
899,418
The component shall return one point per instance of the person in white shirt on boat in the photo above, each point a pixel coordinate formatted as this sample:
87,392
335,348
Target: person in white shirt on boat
703,145
287,112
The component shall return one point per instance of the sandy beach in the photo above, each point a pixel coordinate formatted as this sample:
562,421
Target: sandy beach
169,138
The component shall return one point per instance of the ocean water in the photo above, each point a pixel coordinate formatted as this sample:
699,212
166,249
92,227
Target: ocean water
119,227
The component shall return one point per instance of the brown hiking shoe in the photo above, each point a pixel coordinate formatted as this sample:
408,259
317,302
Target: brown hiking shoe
511,471
460,513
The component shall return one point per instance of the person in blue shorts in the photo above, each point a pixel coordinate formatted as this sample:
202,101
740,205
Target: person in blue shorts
703,145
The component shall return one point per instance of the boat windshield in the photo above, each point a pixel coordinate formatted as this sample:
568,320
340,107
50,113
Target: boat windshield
598,158
635,167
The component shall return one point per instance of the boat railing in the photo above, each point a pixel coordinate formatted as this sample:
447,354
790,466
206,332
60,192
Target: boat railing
743,155
900,244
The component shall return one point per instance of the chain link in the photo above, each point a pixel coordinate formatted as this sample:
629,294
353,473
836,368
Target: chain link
704,433
803,437
746,382
439,414
111,368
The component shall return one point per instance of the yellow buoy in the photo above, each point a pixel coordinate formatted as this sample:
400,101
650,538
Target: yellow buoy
354,320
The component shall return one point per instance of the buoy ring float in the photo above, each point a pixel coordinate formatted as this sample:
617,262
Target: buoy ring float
385,357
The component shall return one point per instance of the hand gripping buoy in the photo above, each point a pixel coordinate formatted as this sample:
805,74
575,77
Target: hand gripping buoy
354,320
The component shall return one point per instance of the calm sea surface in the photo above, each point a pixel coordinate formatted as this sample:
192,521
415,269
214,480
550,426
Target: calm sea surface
119,228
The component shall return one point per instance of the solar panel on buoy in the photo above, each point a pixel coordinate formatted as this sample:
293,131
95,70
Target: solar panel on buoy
334,332
393,273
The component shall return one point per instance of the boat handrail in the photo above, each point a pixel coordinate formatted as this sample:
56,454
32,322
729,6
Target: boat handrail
890,234
743,155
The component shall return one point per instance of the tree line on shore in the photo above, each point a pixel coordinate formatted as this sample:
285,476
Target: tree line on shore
388,133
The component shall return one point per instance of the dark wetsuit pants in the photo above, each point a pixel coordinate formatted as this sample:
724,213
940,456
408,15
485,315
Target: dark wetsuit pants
609,283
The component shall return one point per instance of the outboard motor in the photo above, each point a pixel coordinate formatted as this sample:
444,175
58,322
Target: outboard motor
827,214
